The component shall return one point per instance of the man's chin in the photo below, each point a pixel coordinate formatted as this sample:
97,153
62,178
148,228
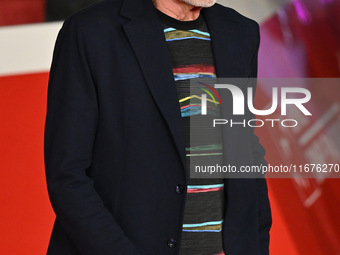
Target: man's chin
201,3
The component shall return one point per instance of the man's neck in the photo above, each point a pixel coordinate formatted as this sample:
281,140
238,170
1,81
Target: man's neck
178,9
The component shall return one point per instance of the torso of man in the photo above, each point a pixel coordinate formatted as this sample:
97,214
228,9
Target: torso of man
190,51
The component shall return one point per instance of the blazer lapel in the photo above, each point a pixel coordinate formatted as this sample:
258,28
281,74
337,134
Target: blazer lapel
224,44
225,38
145,34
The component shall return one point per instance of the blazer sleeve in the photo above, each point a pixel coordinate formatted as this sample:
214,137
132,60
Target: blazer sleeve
70,130
265,219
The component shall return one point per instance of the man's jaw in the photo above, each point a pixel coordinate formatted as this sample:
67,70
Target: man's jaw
200,3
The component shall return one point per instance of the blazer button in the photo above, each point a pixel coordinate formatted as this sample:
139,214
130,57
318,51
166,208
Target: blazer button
179,189
172,243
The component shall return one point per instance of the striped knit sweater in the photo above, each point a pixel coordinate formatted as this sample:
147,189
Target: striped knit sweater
191,55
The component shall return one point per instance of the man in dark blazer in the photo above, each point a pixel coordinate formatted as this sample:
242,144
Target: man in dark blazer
114,146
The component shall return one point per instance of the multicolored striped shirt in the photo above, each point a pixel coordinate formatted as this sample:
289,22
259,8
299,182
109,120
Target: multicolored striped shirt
190,50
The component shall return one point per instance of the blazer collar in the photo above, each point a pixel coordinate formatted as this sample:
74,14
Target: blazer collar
136,8
145,34
220,23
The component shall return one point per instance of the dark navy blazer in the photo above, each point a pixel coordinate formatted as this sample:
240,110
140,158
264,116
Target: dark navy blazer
114,144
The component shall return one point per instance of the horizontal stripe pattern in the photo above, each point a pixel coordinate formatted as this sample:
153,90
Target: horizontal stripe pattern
205,150
171,29
194,71
204,188
210,226
191,57
179,77
175,35
195,68
221,185
203,224
189,37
